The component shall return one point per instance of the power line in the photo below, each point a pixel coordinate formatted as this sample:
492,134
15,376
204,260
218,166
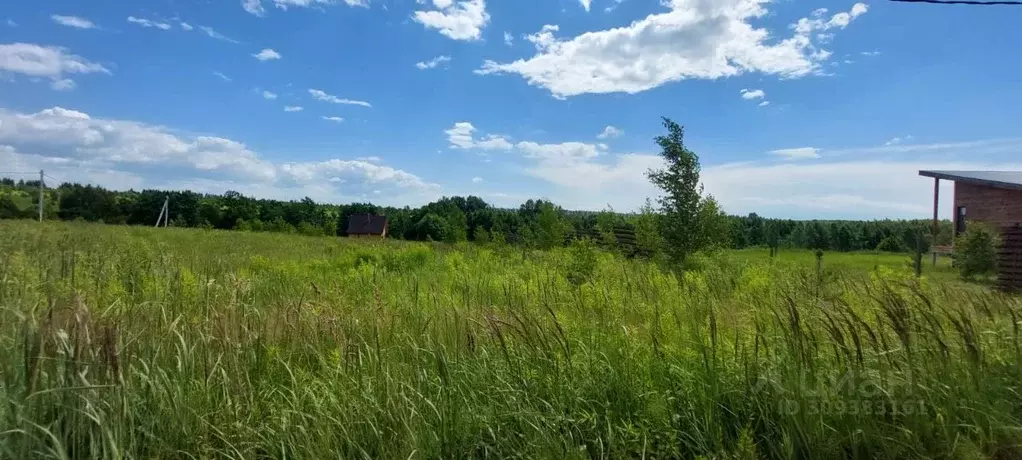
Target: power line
962,2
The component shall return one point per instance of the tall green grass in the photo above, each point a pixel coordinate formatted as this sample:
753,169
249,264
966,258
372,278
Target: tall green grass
125,342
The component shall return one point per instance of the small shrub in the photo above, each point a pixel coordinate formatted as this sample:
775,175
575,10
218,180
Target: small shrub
583,261
480,235
976,252
890,244
308,229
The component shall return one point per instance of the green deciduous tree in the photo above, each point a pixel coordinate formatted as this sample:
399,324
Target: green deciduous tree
481,235
432,227
648,241
714,227
551,227
682,205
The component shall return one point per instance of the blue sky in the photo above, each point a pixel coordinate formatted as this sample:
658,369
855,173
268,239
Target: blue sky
797,109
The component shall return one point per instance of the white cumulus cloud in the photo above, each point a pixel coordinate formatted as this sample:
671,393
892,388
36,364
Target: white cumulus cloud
51,62
267,55
124,154
458,20
695,39
750,94
293,108
887,184
462,136
610,132
269,95
254,7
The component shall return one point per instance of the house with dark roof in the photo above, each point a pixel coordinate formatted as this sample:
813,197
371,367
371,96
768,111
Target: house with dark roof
367,226
993,198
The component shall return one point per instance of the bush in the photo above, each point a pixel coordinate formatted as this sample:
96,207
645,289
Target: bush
306,228
432,228
480,235
976,251
583,261
890,244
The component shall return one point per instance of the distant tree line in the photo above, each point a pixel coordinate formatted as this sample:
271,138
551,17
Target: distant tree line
536,223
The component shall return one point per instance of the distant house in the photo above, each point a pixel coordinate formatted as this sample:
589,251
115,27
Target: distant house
367,226
993,198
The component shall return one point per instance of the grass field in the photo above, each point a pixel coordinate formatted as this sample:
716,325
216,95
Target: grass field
123,342
854,262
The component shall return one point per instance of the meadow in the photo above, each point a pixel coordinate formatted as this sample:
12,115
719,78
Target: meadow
132,342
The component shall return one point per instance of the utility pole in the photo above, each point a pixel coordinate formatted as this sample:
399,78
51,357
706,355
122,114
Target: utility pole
936,223
41,174
164,214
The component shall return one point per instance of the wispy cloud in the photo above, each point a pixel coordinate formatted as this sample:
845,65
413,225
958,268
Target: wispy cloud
222,76
269,95
293,108
321,95
217,35
433,63
898,140
285,4
800,153
73,21
333,119
65,84
147,23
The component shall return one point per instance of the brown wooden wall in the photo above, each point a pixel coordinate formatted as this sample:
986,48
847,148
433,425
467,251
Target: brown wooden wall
1009,260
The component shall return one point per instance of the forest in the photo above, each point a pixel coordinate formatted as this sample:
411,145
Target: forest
536,223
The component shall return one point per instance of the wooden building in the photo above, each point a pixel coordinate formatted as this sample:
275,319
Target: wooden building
994,198
367,226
